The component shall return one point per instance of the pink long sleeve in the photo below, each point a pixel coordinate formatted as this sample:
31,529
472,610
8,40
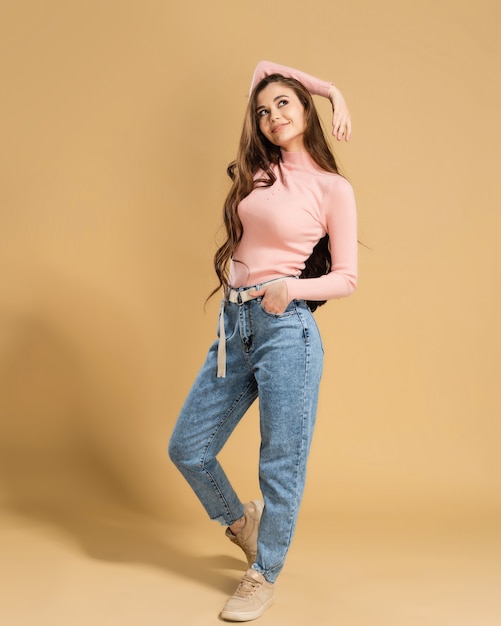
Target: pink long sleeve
341,224
314,85
283,223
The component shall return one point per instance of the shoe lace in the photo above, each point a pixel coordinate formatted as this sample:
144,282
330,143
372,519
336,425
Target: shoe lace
247,587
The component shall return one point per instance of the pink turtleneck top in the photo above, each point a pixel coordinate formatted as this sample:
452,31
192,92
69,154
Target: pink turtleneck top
283,223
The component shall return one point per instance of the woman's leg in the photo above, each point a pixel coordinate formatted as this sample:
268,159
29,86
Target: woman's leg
288,361
210,413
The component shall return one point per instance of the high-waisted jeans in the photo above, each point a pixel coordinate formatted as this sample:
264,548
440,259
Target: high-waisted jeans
278,358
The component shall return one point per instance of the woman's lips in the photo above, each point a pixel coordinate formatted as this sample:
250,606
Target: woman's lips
279,127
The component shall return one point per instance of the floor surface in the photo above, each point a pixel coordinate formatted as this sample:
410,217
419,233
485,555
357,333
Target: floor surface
347,571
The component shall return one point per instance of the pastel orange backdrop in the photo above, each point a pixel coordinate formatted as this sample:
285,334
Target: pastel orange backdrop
118,121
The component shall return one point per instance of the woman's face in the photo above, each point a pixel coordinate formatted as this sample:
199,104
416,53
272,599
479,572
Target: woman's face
280,116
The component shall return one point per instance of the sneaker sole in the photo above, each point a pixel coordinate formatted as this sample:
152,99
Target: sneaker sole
238,616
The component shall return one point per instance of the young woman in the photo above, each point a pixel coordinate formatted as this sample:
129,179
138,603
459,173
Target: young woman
291,245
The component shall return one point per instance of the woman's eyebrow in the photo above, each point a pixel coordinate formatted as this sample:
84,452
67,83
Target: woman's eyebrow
261,106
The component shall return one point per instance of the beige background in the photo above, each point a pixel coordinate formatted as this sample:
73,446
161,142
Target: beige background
117,122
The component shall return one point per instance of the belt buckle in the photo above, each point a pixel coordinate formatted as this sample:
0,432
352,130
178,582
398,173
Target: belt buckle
239,298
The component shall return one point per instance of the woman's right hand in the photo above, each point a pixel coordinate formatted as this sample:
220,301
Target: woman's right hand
341,120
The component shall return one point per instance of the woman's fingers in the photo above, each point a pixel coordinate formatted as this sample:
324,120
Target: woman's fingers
341,120
341,125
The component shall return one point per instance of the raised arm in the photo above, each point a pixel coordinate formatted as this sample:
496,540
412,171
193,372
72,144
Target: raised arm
341,121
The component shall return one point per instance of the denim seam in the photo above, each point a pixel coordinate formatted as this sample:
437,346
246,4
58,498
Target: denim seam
209,442
300,452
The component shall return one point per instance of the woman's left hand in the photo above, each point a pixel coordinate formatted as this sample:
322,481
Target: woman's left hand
341,120
275,296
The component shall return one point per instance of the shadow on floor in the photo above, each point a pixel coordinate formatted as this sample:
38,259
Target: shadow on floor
73,388
122,536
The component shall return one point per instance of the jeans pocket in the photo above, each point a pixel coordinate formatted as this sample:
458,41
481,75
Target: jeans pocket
290,310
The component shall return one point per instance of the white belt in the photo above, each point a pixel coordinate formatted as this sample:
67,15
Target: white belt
237,297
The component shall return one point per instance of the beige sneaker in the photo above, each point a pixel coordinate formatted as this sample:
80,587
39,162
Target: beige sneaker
247,537
251,599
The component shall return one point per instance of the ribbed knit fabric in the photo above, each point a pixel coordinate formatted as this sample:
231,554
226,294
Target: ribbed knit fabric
284,222
314,85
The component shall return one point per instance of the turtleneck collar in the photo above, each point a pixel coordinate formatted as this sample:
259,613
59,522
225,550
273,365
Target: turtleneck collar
297,160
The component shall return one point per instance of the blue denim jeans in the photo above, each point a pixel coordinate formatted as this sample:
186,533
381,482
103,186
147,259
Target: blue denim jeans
278,359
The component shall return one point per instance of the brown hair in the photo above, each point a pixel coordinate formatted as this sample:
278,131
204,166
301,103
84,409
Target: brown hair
256,153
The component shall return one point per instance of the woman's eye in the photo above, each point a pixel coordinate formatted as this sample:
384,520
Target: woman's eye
262,112
282,103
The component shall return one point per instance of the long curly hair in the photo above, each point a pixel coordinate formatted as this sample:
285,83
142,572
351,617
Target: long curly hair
256,153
